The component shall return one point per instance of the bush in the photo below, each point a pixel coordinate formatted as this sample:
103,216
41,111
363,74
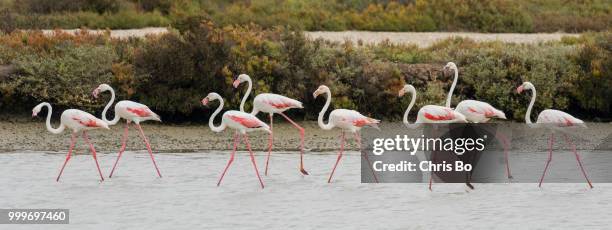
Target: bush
335,15
594,84
162,6
172,72
485,16
119,20
175,72
64,77
46,6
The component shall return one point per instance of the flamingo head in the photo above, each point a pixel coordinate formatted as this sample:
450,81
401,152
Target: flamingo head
210,97
460,118
101,88
322,89
450,66
524,86
240,79
37,109
405,89
103,124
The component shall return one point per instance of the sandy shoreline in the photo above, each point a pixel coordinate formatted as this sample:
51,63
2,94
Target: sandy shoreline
33,136
426,39
421,39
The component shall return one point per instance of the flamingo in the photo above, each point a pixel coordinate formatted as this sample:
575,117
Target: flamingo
77,121
348,121
131,112
554,120
430,114
477,112
473,110
241,122
272,103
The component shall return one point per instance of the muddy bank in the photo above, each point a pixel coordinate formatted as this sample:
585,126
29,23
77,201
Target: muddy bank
16,136
33,136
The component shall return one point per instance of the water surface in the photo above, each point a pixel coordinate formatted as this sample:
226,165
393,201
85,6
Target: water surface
188,198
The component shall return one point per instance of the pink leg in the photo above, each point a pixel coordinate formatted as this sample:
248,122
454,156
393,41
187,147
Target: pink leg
358,139
301,143
578,159
270,140
433,158
123,144
144,138
246,140
93,152
550,145
72,142
236,139
430,172
339,157
504,140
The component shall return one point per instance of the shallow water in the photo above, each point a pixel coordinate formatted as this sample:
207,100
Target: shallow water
187,197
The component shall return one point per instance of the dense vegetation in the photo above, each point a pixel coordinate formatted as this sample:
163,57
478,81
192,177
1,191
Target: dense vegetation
172,72
376,15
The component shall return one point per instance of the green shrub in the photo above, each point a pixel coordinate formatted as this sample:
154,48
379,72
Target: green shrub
64,77
172,72
334,15
152,5
46,6
119,20
175,72
593,90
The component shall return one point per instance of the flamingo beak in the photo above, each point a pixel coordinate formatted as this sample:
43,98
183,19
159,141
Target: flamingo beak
315,94
401,92
520,89
34,114
236,83
205,102
95,93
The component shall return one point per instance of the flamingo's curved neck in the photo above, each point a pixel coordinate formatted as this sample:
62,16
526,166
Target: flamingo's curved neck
108,105
246,94
57,130
412,101
212,126
528,114
450,92
324,126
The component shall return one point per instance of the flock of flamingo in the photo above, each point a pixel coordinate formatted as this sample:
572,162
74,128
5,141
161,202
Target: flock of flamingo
346,120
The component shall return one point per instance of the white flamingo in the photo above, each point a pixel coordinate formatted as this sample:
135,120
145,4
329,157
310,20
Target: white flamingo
478,112
272,103
131,112
77,121
241,122
430,114
474,111
554,120
347,120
